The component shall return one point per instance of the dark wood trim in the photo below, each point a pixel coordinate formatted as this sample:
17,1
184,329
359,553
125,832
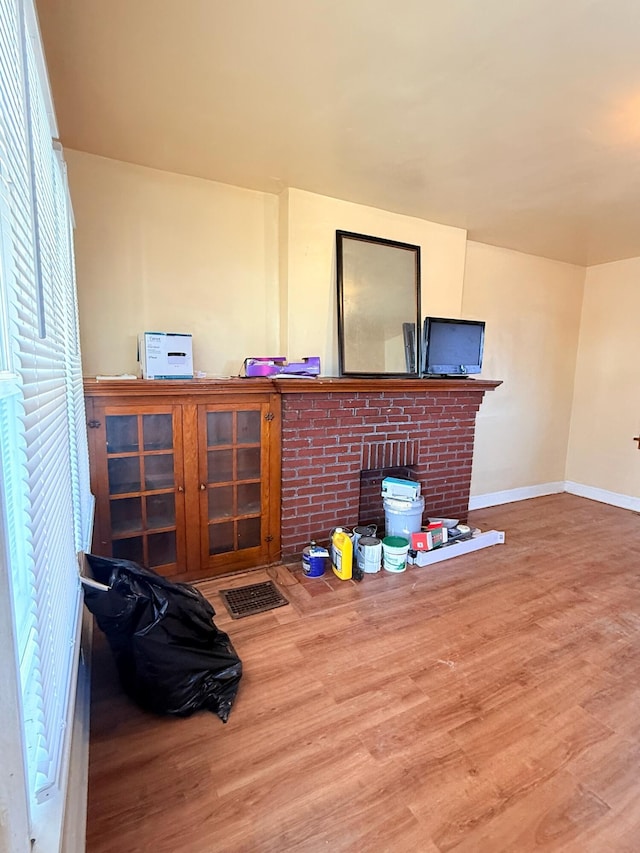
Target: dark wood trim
267,385
172,387
323,385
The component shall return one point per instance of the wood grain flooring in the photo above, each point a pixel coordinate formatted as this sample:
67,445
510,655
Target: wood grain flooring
488,703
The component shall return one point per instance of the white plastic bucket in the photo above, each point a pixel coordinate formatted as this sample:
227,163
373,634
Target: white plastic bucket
394,549
369,554
402,518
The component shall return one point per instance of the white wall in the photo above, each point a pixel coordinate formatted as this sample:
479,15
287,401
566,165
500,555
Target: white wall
532,310
606,410
251,273
162,252
311,311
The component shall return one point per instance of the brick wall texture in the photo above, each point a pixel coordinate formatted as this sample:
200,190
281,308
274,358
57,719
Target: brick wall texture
337,446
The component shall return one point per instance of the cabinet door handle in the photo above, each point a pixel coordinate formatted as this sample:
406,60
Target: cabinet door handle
203,488
181,488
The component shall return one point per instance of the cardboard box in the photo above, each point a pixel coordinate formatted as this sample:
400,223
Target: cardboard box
420,541
426,540
165,355
401,490
279,366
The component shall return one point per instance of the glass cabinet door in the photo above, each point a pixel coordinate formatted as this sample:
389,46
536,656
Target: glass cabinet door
232,483
145,488
186,477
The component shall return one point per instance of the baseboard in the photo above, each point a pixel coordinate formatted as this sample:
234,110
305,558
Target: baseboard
75,812
513,495
602,495
526,492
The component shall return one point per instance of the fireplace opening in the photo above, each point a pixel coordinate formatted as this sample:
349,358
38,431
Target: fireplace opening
371,508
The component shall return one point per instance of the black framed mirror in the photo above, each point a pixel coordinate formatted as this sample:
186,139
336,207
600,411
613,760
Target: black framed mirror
378,306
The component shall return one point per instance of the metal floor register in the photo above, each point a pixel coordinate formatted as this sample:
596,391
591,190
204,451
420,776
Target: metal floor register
255,598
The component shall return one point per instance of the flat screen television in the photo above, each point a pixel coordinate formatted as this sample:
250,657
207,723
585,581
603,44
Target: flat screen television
452,347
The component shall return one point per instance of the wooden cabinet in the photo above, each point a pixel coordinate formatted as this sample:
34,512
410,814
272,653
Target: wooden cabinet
186,475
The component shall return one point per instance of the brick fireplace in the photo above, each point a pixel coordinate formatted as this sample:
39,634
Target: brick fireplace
339,436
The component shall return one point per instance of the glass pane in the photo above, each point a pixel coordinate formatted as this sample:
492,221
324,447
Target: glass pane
249,533
126,515
122,433
158,471
162,549
157,432
124,475
221,502
128,549
249,498
221,538
248,427
219,466
161,511
248,463
219,428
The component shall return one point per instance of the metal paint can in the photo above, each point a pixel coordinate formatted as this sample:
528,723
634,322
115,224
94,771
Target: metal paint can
358,532
369,554
314,560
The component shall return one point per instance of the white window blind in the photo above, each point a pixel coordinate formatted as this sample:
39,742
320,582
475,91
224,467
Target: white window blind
45,489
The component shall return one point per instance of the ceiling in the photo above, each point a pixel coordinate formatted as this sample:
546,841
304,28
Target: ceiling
518,120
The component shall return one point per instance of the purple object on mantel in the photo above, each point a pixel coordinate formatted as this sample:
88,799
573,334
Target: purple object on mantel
273,366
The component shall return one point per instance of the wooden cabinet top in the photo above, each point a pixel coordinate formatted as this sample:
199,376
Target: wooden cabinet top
177,387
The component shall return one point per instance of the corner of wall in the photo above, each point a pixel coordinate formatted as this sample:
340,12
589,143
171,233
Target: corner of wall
283,272
572,415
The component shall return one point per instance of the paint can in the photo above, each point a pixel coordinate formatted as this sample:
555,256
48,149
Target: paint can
395,549
314,560
369,554
367,530
402,518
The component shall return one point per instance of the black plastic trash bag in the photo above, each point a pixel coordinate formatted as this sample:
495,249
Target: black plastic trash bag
170,656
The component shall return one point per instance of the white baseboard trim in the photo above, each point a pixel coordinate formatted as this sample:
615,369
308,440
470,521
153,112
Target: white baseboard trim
602,495
75,813
512,495
526,492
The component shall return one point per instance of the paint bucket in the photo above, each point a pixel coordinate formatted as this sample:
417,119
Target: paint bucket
358,532
402,518
369,554
395,549
314,560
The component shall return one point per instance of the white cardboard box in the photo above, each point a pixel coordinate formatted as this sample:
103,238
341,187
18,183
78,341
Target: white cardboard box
399,489
165,355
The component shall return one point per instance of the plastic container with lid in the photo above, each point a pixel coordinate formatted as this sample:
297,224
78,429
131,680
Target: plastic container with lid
402,518
341,554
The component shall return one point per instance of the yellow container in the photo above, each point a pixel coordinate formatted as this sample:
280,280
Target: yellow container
341,554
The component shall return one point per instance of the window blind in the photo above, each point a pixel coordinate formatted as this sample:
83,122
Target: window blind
45,488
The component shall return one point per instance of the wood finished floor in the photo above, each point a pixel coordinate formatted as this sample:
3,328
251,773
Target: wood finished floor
488,703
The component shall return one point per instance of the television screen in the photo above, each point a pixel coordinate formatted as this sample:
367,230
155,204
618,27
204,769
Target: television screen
452,347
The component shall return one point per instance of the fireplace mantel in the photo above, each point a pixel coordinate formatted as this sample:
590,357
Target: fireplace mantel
344,384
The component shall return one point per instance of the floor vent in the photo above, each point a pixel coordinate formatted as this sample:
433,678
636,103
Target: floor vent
255,598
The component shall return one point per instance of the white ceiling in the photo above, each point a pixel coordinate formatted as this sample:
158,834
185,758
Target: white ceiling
518,120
